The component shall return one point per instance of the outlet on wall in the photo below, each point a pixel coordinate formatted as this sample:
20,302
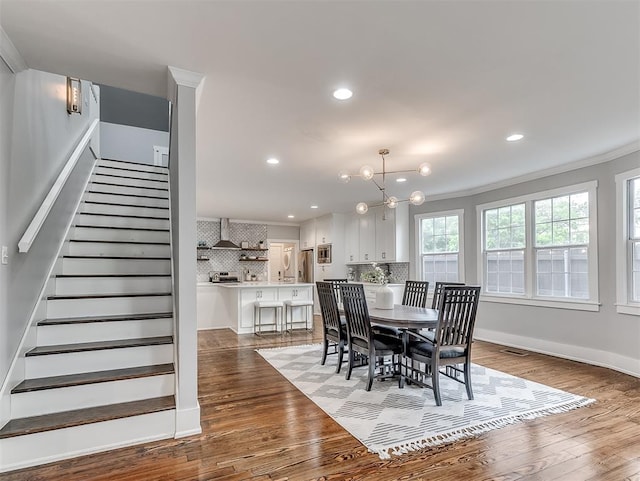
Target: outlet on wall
5,255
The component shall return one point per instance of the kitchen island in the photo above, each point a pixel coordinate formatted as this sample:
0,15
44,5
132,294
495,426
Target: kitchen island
230,305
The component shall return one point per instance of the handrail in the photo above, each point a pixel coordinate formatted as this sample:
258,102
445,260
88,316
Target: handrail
38,220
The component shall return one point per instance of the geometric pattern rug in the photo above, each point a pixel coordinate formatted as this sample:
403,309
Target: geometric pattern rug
392,421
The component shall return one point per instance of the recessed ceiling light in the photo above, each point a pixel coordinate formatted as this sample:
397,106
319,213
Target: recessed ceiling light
314,206
515,137
401,179
290,216
342,94
273,161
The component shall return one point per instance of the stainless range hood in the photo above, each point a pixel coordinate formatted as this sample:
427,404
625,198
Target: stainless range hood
224,242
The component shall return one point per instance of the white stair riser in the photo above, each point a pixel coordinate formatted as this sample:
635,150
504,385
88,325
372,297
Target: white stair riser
110,306
103,331
126,199
78,286
109,249
98,234
39,448
154,184
36,403
115,266
138,167
89,208
100,360
120,189
135,174
132,222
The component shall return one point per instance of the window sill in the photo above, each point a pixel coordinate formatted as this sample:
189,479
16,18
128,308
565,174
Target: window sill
556,304
628,309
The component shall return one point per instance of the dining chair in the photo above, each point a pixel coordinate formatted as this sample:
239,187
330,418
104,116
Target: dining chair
415,293
335,283
333,326
448,346
438,290
363,340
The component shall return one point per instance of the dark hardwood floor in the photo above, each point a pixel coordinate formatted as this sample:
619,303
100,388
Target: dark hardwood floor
257,426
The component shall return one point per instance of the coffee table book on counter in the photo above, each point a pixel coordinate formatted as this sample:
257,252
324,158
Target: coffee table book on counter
230,305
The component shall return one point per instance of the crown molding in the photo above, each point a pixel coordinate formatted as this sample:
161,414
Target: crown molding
578,164
9,53
183,78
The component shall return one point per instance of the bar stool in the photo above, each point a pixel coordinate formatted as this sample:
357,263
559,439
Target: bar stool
258,306
289,307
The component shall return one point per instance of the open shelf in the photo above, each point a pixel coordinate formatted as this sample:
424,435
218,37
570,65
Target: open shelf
259,259
260,249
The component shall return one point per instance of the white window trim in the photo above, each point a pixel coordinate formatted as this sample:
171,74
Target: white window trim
529,298
419,217
624,305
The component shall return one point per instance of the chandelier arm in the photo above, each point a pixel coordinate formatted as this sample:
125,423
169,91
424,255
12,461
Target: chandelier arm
378,185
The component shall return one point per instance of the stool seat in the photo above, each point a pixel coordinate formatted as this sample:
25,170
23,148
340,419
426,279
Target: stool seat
268,304
298,302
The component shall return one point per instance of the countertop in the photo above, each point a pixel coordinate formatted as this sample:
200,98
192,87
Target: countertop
254,284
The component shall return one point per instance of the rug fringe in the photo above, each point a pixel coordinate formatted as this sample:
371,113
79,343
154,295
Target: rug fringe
472,431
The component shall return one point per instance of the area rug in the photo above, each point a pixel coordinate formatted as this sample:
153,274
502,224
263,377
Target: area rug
392,421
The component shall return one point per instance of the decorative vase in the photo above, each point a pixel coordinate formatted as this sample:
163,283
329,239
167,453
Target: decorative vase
384,297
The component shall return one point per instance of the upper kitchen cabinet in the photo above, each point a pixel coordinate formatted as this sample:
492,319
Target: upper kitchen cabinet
308,234
381,235
330,229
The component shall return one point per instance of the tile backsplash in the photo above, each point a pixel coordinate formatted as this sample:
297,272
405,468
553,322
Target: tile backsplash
397,271
229,260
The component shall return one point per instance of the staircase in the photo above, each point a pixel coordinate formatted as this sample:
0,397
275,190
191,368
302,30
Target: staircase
102,373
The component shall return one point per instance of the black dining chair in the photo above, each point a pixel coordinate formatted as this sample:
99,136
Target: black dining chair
333,326
448,346
437,291
335,283
415,293
363,340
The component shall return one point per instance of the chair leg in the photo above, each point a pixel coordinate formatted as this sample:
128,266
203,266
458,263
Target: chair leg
467,379
372,369
325,348
435,383
340,356
350,366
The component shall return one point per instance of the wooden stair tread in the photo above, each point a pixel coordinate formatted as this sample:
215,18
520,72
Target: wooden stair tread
54,382
126,216
120,228
84,320
132,163
129,195
79,417
144,258
142,276
107,296
130,177
100,182
118,204
99,345
120,242
133,170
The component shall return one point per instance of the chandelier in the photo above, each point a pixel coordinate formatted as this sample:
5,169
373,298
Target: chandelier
367,173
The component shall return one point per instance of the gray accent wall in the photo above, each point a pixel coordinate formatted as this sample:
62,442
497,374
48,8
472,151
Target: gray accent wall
604,337
119,106
36,138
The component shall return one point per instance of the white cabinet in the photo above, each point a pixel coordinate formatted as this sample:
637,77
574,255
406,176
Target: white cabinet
247,300
380,235
308,234
352,239
295,293
367,237
324,227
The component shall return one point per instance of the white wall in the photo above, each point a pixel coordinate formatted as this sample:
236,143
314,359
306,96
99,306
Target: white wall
42,136
603,338
135,144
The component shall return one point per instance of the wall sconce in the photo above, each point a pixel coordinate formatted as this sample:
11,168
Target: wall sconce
74,96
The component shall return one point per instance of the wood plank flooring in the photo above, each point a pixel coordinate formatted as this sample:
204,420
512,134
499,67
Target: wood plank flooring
257,426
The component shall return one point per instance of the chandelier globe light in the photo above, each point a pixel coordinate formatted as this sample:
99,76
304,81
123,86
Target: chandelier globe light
368,173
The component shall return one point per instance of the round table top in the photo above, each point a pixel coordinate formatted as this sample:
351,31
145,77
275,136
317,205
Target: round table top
407,317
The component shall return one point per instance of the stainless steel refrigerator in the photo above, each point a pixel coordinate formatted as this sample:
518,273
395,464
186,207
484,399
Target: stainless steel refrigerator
305,266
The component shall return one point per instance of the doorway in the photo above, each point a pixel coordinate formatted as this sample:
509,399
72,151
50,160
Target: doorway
283,257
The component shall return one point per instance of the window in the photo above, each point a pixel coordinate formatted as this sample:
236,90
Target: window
628,242
541,248
440,238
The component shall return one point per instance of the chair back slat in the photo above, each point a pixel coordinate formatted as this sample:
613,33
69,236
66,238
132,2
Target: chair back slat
335,283
356,312
437,291
456,316
328,306
415,293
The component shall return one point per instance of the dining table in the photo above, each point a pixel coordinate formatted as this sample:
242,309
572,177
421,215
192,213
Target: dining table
404,317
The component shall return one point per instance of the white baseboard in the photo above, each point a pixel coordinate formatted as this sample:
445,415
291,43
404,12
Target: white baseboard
188,422
596,357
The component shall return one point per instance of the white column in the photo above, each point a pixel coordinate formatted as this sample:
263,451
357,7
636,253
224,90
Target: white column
183,93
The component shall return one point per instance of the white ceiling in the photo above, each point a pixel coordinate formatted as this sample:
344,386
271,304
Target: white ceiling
437,81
